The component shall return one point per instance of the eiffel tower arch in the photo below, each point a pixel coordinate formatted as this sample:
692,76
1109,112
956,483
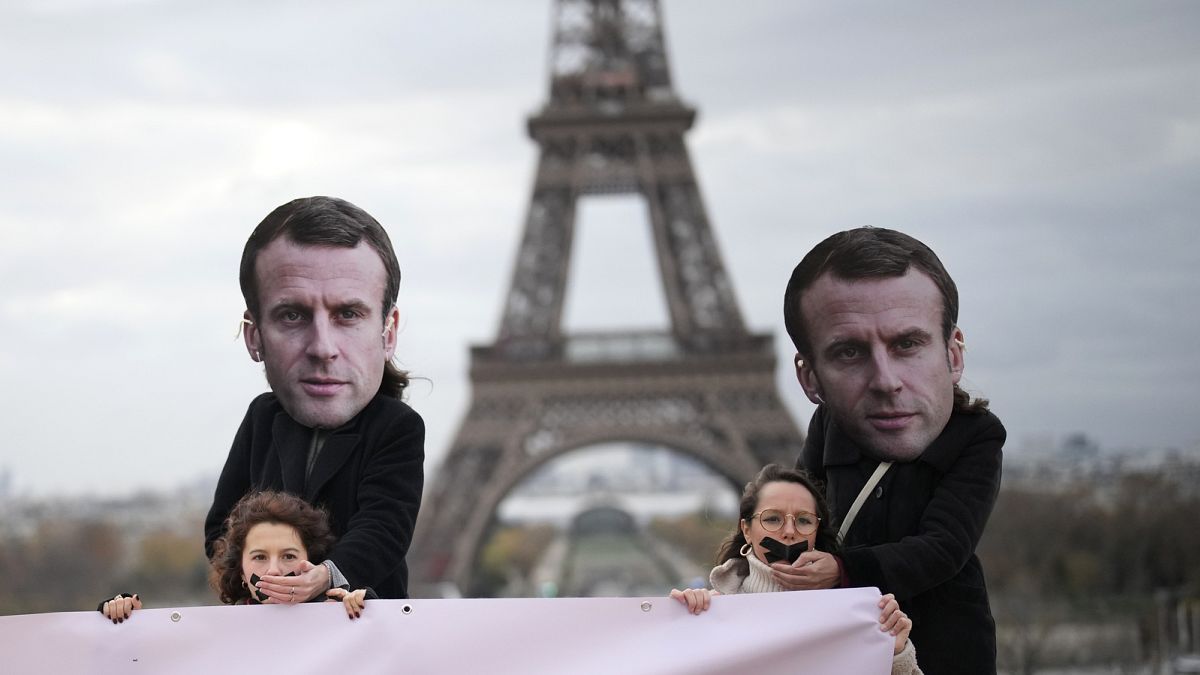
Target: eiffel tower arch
704,388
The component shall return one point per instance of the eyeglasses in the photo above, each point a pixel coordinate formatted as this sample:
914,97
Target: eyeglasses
772,520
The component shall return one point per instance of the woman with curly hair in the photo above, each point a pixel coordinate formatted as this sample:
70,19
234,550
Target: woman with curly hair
266,533
784,514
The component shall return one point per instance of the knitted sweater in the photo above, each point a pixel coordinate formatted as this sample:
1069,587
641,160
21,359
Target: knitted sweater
725,579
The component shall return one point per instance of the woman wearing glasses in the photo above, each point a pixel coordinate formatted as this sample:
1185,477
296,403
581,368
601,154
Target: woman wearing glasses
783,514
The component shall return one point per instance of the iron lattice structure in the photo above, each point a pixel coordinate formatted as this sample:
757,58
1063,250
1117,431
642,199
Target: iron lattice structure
613,125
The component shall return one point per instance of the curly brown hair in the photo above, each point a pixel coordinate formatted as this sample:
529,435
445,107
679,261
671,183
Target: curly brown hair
310,522
732,546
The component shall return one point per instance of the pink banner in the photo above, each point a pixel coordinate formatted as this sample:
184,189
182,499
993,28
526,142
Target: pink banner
811,632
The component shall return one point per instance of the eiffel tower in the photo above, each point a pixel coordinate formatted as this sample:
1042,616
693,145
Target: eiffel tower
613,125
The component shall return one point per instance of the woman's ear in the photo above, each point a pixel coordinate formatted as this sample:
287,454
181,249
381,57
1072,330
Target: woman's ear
807,377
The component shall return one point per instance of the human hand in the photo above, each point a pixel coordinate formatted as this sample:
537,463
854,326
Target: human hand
355,601
893,621
120,608
310,581
696,600
812,570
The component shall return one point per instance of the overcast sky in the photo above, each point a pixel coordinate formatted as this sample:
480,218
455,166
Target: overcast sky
1049,152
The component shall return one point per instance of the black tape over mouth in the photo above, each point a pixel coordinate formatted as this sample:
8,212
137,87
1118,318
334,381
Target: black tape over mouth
256,592
777,551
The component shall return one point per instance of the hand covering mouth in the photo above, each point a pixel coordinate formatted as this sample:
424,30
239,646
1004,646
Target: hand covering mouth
258,593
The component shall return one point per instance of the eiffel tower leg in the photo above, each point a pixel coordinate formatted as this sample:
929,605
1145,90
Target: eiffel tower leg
683,236
533,309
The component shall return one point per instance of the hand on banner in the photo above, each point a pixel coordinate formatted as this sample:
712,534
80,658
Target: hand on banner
355,601
311,581
812,570
695,599
893,621
121,607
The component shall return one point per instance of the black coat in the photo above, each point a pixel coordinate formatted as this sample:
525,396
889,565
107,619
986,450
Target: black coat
368,475
916,535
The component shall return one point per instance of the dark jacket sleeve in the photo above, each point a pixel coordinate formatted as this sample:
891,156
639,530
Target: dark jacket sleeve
811,459
950,524
379,532
233,483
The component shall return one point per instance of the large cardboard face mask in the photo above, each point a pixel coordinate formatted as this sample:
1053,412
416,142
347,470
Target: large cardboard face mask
262,597
777,551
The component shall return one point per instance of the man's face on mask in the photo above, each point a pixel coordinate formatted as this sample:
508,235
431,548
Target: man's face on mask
320,332
880,361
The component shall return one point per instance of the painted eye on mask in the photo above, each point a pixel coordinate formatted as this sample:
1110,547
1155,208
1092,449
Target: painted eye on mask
254,579
777,550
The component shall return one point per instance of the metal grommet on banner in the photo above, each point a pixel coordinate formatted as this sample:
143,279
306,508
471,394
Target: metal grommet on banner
407,609
646,605
176,616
